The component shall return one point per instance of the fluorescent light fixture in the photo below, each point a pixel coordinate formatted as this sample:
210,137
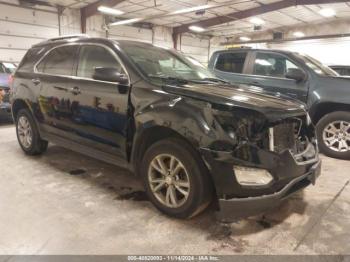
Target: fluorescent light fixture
109,11
257,21
298,34
196,28
245,38
327,12
190,9
127,21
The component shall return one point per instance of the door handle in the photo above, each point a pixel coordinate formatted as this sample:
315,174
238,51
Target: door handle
254,83
36,81
75,90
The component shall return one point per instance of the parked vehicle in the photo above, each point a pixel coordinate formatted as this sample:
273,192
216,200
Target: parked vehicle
188,135
6,71
298,76
342,70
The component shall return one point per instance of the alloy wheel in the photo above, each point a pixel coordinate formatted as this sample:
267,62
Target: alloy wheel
25,133
336,136
169,180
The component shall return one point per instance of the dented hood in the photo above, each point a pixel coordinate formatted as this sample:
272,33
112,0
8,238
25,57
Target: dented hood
240,96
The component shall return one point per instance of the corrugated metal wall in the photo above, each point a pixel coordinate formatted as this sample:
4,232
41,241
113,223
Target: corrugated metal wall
21,27
329,51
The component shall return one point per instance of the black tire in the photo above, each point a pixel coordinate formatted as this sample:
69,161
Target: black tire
201,188
37,145
320,127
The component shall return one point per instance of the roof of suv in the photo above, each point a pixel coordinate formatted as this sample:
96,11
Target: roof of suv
85,38
247,49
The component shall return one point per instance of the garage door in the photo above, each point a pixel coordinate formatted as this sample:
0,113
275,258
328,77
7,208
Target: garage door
22,27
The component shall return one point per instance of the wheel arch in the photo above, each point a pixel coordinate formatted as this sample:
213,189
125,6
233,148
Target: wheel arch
148,136
320,110
17,105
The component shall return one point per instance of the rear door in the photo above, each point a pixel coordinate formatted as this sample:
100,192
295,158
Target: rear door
54,79
268,70
230,66
99,108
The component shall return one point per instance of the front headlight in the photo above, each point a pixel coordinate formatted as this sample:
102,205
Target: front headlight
249,176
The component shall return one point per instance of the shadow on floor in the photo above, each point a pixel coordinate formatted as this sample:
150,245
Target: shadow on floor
124,186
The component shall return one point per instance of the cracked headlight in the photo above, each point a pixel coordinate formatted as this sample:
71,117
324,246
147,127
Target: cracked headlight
249,176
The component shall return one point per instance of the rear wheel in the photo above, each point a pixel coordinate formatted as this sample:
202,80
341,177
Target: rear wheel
28,135
175,179
333,133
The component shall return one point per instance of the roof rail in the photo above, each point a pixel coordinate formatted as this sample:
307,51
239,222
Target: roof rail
67,37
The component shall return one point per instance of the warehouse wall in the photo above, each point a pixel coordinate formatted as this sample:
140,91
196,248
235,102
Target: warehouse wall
20,28
329,51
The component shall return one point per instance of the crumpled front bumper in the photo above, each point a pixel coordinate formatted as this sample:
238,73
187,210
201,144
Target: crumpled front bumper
231,209
236,201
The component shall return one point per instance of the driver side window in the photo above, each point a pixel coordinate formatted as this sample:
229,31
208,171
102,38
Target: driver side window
274,65
91,56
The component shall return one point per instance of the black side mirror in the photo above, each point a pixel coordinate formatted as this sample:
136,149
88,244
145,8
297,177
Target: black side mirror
110,74
296,74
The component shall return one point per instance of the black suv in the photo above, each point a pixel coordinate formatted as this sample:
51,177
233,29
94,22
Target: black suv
188,135
326,94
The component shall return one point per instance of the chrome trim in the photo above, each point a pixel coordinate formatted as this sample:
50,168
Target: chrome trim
78,77
271,140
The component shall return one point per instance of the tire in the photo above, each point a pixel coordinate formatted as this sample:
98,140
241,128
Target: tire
25,125
191,172
328,134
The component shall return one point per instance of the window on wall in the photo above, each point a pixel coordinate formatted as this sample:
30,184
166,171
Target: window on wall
275,65
59,61
231,62
91,57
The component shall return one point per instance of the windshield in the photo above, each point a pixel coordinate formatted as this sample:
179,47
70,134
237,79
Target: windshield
317,66
9,67
159,64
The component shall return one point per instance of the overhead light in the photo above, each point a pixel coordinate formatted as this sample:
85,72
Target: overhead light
127,21
196,28
245,38
298,34
327,12
190,9
109,11
257,21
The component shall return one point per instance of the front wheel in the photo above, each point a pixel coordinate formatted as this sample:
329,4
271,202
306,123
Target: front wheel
333,134
175,178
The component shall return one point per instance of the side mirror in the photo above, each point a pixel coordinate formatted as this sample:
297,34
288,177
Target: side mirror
110,74
296,74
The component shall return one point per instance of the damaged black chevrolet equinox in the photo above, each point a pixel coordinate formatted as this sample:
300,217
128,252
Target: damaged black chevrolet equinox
190,136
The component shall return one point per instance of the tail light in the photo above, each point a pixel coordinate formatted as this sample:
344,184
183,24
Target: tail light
10,81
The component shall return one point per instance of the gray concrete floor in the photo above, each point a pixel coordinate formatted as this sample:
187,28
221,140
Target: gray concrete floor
44,209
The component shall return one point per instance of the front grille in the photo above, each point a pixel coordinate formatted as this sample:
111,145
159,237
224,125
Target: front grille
286,136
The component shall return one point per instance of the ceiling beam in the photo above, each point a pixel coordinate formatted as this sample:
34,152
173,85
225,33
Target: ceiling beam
251,12
91,9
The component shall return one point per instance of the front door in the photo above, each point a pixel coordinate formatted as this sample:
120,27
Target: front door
268,72
100,107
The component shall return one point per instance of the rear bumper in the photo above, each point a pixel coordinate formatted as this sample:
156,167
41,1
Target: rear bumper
231,209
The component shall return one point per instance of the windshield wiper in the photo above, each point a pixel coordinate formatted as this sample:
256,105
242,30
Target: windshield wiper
170,79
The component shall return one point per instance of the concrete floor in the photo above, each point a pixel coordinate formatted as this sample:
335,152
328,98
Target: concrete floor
47,207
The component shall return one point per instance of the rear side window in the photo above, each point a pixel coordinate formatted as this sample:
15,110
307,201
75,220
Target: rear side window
60,61
91,57
29,60
231,62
